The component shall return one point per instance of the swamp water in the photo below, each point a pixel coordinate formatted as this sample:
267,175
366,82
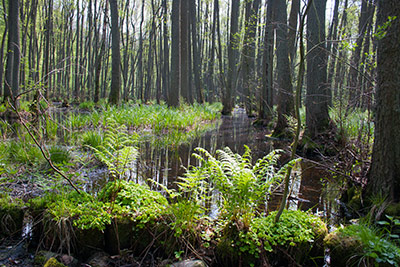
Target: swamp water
164,164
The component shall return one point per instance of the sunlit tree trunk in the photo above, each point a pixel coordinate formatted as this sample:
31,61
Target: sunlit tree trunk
354,73
266,95
173,98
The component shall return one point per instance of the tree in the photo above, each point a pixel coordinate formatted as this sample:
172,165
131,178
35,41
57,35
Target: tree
227,100
317,99
184,51
384,176
11,86
265,104
284,82
116,55
173,98
354,73
248,57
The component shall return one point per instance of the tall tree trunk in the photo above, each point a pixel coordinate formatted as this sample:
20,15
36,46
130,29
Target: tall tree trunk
284,82
292,31
384,176
184,50
48,36
353,80
116,55
332,45
248,53
99,58
11,86
195,51
228,96
166,88
173,99
317,99
266,95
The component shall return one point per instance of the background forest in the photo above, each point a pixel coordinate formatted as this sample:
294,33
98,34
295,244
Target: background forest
320,76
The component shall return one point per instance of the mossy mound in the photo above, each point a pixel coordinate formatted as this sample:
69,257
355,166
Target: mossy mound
52,262
82,223
361,245
11,217
298,234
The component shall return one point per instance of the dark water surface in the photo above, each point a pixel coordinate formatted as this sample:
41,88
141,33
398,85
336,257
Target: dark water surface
165,164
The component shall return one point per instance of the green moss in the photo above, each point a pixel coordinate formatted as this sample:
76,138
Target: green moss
52,262
393,209
297,232
359,243
11,216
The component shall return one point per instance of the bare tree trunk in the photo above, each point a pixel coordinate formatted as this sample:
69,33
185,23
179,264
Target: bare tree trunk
284,83
384,176
195,49
116,55
317,99
228,96
354,77
173,99
11,86
184,50
248,53
266,95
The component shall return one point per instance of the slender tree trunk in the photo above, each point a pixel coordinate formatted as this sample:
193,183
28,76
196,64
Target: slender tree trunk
173,99
196,52
248,53
184,51
266,96
99,58
228,95
166,88
353,80
116,55
284,82
11,86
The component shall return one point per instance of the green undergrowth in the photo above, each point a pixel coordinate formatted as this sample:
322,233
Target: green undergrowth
119,199
11,216
362,245
154,118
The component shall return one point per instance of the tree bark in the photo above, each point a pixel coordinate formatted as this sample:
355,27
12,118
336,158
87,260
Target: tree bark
384,176
228,96
266,95
317,99
284,82
173,99
116,55
11,86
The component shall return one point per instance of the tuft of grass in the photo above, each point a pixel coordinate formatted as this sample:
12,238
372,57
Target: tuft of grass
59,155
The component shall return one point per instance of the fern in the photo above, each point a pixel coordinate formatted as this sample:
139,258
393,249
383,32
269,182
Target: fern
242,187
117,151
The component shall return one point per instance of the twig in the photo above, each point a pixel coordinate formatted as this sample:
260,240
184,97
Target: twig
42,149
